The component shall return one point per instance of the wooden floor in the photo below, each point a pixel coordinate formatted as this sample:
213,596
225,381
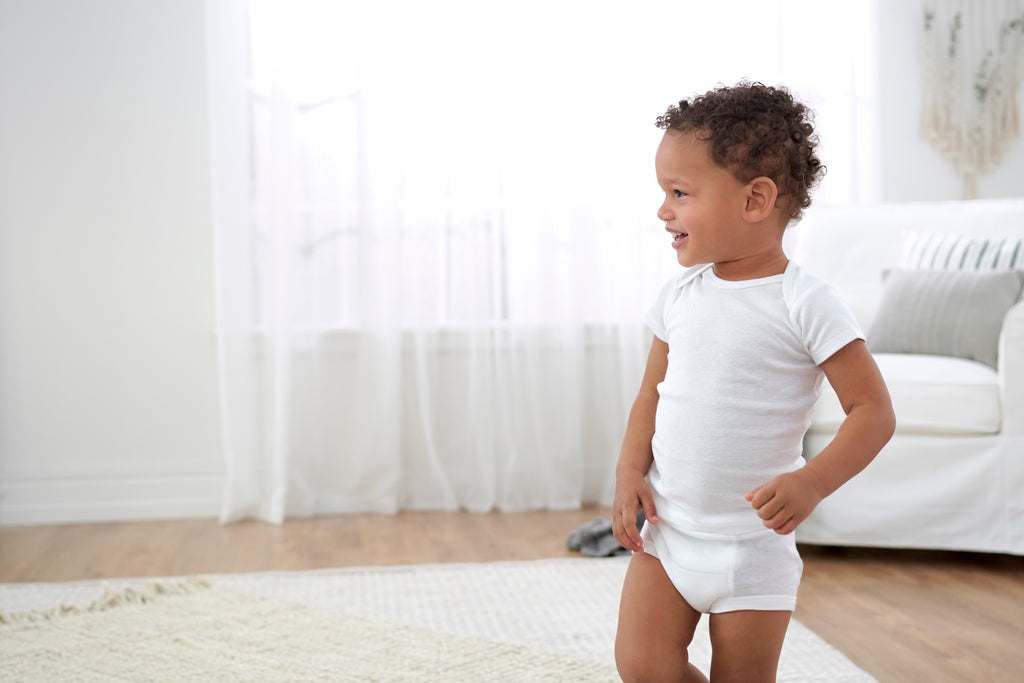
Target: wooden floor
901,615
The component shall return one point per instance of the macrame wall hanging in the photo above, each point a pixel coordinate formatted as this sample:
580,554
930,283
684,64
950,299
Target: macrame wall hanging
973,68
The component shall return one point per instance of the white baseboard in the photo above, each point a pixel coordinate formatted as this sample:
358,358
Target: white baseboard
70,497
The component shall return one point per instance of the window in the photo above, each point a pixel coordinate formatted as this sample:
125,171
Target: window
495,160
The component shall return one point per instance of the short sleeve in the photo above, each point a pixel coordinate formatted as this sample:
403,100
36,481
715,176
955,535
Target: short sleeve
657,316
819,315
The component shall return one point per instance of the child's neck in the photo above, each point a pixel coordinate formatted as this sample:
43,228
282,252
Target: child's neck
752,267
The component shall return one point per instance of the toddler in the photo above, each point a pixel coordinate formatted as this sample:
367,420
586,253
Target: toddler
743,339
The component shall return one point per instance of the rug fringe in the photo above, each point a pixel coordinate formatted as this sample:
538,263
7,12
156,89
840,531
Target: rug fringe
110,599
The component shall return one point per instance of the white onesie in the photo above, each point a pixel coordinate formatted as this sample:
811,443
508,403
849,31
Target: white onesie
738,394
737,397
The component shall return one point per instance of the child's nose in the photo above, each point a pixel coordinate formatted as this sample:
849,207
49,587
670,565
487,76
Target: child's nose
663,213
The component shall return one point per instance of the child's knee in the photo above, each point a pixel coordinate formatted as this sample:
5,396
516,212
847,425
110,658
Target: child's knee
642,659
641,665
638,666
628,662
630,653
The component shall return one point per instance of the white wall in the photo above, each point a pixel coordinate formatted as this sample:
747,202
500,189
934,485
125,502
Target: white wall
108,404
107,365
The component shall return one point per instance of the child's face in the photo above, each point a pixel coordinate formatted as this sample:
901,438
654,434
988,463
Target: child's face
703,207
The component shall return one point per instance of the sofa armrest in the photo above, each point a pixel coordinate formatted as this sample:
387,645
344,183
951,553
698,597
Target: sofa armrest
1011,370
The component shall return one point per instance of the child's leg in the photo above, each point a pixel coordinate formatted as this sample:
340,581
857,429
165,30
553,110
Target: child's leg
745,645
656,626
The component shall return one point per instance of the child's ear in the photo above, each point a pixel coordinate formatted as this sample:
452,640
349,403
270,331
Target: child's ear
762,194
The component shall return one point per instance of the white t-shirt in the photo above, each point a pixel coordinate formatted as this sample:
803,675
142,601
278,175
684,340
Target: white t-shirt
743,376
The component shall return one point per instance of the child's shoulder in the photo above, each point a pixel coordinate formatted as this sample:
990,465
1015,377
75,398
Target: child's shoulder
798,285
687,275
672,287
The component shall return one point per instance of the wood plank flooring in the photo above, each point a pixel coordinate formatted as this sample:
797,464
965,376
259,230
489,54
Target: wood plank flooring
903,616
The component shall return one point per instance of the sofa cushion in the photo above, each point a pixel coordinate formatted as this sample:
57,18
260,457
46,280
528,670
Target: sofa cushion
944,312
931,395
923,251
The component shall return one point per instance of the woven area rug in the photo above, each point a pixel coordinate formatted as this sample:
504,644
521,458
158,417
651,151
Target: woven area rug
547,620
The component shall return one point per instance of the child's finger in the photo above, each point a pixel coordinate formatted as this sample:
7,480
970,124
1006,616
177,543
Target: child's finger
630,539
772,508
787,527
647,505
636,540
625,530
759,496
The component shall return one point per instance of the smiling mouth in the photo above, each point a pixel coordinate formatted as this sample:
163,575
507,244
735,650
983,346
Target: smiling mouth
678,236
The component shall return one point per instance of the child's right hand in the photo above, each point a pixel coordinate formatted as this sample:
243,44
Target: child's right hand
631,495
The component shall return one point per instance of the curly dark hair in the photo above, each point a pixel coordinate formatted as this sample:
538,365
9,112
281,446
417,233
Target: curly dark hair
756,130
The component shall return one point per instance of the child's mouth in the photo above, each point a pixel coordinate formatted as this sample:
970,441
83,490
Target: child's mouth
678,238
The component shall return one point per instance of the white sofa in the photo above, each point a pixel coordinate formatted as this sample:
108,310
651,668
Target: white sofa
952,477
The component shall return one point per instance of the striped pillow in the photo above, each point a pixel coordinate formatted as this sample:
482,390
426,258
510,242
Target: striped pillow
937,251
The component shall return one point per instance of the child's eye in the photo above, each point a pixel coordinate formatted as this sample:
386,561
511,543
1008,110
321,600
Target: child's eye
678,193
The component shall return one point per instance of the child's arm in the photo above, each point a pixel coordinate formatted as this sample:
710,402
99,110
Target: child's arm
787,500
631,490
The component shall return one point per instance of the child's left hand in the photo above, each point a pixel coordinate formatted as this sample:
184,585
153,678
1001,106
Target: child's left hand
785,501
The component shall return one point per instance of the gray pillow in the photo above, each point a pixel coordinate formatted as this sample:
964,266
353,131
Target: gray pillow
944,312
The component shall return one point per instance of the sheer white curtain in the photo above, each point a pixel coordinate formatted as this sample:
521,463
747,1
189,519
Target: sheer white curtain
436,235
